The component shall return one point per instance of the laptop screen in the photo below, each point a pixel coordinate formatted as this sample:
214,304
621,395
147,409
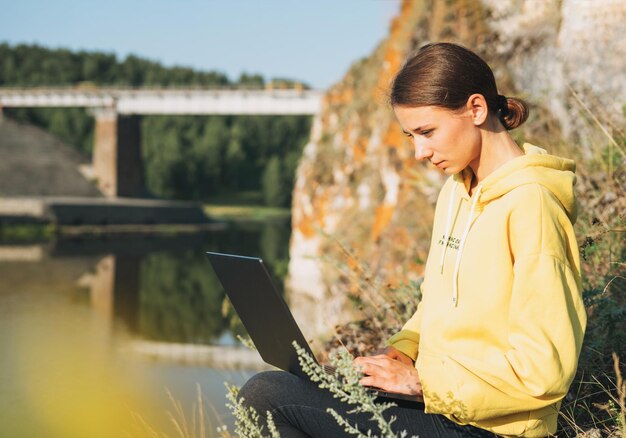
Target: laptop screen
261,308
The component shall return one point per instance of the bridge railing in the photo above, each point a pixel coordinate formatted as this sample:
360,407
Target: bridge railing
193,101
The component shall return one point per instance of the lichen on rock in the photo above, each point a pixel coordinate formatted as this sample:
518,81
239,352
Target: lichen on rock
359,193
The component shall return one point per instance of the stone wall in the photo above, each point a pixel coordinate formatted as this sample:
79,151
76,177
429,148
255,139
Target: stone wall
362,207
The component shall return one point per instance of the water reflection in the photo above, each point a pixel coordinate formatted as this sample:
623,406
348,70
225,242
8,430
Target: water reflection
163,288
93,330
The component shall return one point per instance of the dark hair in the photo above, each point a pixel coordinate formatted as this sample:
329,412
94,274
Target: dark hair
446,75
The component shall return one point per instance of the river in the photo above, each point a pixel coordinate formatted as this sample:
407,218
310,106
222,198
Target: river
96,334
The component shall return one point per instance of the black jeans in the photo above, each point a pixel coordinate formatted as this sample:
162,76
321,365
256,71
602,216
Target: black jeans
298,408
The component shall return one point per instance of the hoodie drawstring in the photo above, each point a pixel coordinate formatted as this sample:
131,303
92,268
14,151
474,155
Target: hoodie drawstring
455,286
446,234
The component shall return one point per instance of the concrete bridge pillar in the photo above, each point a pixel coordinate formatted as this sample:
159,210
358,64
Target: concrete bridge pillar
117,161
115,289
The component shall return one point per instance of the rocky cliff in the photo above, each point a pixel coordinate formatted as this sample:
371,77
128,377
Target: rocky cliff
362,206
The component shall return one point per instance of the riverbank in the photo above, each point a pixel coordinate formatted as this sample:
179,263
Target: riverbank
27,228
245,213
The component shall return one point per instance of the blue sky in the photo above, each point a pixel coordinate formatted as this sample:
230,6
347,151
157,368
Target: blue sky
310,40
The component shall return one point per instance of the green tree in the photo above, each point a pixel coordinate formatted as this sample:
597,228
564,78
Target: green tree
184,157
208,154
275,193
98,67
234,156
251,81
193,313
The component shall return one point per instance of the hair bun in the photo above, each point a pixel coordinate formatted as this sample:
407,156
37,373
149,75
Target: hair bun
513,112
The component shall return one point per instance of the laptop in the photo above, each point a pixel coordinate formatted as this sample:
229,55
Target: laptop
266,316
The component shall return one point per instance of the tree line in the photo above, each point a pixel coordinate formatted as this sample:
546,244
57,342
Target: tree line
185,157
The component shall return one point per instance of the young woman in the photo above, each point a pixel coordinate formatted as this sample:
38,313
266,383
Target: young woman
494,344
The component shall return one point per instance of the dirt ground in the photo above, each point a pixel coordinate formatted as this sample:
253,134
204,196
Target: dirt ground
35,163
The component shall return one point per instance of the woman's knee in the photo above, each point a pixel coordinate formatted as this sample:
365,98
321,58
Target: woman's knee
263,390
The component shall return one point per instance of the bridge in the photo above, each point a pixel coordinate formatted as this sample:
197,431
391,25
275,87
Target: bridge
184,101
117,162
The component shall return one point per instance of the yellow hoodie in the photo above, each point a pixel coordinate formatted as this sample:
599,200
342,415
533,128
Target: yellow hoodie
498,332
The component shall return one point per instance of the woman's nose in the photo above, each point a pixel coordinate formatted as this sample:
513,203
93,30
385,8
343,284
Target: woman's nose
421,151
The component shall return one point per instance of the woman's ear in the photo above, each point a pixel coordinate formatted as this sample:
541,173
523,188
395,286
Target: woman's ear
477,105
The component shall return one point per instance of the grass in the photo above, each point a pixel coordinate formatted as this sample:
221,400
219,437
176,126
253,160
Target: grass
200,423
242,197
243,206
26,232
136,229
244,213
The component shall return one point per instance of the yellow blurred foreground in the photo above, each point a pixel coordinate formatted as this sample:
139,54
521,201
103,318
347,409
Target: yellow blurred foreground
61,374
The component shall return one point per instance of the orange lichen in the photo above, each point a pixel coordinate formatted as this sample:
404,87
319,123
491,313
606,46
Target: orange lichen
392,280
357,119
407,163
309,223
306,228
393,136
414,267
353,265
341,96
359,150
345,134
401,235
383,216
396,46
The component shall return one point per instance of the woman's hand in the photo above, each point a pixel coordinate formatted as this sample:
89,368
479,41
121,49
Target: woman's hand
396,354
393,375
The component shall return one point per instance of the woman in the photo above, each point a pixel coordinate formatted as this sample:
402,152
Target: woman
494,344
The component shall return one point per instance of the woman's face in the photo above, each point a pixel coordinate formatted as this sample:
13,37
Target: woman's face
449,139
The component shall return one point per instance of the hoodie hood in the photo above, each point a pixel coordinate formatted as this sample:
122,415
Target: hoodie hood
535,166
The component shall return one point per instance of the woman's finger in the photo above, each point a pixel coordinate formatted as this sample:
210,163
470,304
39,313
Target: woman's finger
374,382
371,368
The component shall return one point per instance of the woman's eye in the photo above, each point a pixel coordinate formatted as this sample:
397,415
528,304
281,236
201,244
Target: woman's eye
426,133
